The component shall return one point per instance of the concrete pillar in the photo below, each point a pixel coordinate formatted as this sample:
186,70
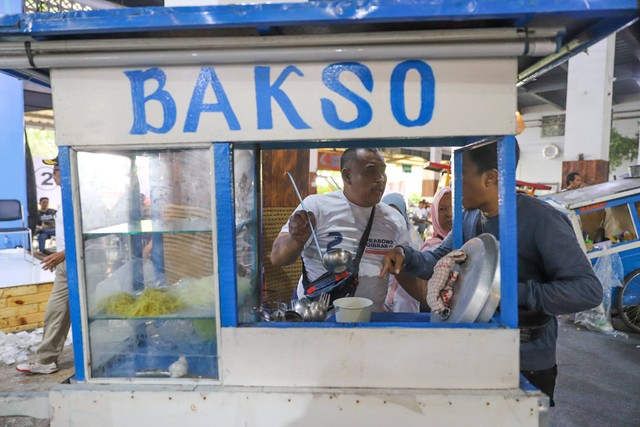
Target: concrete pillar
589,94
435,154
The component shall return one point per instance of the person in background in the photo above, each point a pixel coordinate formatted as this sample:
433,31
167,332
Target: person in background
554,275
421,216
57,320
573,181
398,300
441,218
46,226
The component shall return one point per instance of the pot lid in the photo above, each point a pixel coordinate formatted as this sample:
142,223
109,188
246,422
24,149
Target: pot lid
476,294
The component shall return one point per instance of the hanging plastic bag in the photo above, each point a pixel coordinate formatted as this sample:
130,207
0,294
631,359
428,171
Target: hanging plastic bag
610,272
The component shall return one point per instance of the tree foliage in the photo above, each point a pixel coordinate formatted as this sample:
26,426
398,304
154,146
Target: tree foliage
414,199
622,148
42,143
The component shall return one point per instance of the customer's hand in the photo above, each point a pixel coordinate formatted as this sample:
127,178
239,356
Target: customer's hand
393,261
299,228
52,261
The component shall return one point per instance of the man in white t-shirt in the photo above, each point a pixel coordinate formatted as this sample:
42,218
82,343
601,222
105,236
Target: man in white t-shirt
340,219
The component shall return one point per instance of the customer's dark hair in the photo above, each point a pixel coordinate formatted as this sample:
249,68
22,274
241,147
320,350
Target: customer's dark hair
486,156
571,177
43,198
350,154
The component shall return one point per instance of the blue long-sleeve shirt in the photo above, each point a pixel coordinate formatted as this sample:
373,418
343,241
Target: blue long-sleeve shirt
554,275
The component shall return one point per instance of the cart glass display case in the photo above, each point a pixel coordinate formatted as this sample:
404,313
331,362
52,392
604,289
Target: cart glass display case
247,226
148,267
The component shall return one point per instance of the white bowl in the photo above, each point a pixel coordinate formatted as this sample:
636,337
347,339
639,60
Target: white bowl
353,309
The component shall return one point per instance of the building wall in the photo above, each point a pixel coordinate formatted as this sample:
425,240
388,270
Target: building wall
534,167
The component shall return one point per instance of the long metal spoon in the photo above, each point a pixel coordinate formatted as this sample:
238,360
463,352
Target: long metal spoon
313,231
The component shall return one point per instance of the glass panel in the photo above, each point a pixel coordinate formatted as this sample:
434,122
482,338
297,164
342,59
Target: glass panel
148,262
247,232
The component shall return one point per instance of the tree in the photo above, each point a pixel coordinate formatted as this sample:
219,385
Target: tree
42,143
622,148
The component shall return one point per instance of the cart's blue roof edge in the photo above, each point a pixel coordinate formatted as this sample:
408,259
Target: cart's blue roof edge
310,13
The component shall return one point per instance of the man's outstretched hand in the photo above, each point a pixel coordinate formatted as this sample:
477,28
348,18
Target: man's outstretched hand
393,261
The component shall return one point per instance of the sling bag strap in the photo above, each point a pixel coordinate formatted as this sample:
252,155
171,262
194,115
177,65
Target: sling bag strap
363,243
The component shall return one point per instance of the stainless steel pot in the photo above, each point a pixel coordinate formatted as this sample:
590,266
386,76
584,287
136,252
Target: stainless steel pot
634,171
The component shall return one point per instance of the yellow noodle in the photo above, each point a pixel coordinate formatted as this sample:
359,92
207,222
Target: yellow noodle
154,302
117,304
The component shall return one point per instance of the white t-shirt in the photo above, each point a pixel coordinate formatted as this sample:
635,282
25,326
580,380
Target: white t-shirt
59,230
421,213
340,224
400,300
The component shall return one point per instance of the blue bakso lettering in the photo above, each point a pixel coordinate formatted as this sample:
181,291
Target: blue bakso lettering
331,79
139,100
265,91
427,93
208,78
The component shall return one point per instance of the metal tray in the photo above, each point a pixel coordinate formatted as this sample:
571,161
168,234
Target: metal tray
476,294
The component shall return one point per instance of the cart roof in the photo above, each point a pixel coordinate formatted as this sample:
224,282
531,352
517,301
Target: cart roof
578,23
596,193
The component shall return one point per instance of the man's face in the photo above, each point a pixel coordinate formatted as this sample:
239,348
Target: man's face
366,178
576,183
44,204
474,188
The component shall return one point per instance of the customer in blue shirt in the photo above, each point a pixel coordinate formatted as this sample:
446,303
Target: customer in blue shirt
554,275
46,226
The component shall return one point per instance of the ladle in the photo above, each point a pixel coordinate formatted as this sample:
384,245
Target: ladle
335,260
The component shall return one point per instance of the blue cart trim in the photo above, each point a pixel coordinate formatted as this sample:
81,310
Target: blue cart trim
225,218
64,158
456,187
508,232
263,16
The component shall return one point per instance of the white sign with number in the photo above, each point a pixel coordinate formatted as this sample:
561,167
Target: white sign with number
45,184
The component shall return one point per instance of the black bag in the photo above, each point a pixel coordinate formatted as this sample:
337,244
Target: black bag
338,285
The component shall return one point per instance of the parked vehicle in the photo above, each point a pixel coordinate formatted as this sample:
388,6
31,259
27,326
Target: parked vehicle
605,218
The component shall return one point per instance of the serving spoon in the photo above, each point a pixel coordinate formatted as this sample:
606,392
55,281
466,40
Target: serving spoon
335,260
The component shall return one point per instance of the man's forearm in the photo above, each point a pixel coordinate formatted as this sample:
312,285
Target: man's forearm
286,250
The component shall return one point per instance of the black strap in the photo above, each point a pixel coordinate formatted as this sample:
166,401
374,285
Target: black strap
363,243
